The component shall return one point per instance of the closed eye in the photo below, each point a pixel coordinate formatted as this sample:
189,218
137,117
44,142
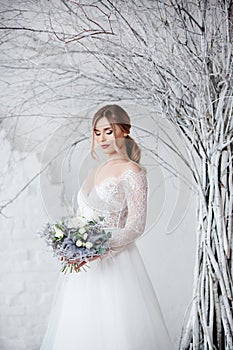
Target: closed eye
109,132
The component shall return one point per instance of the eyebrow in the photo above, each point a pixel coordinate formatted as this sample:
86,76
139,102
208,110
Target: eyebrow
103,129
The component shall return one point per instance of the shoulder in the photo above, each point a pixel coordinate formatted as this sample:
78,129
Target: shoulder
136,168
135,176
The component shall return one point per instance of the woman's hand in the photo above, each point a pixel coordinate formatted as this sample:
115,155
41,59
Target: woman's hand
85,262
94,258
81,263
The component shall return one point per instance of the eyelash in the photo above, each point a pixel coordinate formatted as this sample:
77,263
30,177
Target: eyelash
106,133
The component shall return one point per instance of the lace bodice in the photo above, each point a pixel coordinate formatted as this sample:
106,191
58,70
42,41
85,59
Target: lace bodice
121,200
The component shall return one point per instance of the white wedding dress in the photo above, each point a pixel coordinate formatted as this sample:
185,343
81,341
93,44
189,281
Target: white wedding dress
111,306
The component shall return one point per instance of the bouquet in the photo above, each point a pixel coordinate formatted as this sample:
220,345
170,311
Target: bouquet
76,241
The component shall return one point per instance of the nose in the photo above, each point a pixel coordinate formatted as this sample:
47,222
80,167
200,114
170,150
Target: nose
102,137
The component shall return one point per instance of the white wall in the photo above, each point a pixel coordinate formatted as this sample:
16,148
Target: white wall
28,271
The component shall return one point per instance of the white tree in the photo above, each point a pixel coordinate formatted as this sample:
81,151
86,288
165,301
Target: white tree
174,56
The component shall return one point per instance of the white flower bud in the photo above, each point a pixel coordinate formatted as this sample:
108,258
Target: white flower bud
89,245
58,232
79,243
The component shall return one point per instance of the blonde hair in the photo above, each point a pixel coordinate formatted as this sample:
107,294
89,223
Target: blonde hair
117,115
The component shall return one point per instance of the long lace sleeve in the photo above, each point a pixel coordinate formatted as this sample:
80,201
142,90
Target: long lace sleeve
136,188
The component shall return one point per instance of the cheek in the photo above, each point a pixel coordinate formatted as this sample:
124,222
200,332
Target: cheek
107,137
110,137
96,139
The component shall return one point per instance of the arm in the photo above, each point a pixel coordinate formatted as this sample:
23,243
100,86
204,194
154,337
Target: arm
136,188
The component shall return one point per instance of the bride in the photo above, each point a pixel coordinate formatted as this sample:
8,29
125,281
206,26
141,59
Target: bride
111,306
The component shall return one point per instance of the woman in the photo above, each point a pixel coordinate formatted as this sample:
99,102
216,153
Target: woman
112,306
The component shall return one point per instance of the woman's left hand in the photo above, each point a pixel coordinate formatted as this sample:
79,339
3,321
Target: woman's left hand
80,264
94,258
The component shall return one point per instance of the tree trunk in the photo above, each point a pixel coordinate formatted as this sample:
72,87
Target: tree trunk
210,323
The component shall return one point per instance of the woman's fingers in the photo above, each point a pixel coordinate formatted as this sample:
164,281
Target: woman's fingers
94,258
81,263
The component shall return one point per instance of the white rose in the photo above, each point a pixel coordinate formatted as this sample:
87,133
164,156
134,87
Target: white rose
89,245
78,220
82,221
84,236
82,230
58,232
79,243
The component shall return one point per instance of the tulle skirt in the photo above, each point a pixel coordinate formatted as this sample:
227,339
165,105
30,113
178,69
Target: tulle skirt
111,306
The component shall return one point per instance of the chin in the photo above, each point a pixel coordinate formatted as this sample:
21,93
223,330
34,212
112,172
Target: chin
106,150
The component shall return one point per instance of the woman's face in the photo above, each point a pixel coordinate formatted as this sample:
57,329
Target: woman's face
105,138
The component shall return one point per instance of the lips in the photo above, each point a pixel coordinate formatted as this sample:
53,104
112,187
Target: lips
105,146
